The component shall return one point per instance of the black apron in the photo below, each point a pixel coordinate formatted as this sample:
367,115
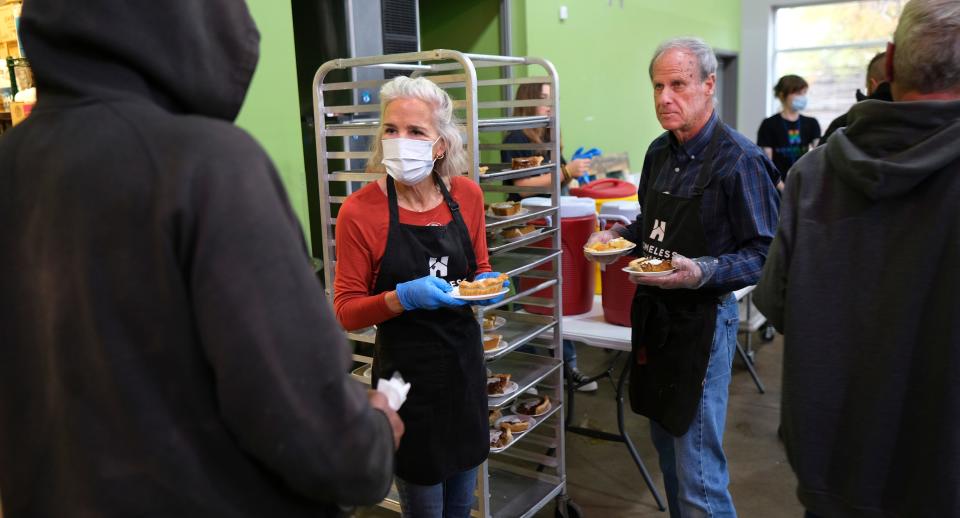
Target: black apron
439,352
672,330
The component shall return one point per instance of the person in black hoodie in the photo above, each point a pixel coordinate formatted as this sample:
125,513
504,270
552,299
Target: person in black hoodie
166,348
877,88
862,278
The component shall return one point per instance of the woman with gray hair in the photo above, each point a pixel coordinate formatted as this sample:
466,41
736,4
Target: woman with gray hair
402,243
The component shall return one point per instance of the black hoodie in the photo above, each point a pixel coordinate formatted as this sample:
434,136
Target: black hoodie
165,349
862,278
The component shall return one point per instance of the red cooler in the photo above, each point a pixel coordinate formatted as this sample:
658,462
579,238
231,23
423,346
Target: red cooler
578,220
618,291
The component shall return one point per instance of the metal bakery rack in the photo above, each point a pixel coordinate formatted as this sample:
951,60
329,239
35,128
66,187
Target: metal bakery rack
526,475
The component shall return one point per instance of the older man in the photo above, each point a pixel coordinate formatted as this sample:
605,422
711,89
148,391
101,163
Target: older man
863,278
706,194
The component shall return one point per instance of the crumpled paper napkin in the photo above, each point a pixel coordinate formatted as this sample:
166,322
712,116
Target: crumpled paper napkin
395,389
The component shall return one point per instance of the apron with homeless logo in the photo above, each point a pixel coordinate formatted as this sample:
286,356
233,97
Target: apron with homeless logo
438,351
672,330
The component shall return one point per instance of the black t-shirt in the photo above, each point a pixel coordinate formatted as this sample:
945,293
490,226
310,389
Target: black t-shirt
789,139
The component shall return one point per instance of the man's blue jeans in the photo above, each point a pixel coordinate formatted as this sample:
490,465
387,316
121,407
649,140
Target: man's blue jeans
694,466
452,498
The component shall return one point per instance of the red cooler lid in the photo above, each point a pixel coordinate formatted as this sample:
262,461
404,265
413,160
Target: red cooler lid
605,188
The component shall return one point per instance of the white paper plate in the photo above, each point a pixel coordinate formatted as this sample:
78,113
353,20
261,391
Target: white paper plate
456,294
648,274
518,402
509,389
615,251
521,212
497,450
498,322
522,417
503,345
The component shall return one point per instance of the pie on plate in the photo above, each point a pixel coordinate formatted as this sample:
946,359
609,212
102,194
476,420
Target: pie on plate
533,406
497,384
515,232
618,243
515,423
650,265
491,342
500,438
486,286
505,208
525,162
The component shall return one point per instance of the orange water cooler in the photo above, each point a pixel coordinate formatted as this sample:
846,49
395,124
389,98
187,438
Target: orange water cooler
617,294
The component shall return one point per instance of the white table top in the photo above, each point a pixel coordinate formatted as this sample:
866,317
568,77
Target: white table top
591,329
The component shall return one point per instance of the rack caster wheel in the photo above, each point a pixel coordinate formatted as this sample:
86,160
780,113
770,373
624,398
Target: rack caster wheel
568,509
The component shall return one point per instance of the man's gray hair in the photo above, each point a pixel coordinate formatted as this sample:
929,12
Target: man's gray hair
706,59
927,56
454,161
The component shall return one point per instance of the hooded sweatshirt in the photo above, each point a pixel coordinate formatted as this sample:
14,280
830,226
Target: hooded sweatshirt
862,278
165,348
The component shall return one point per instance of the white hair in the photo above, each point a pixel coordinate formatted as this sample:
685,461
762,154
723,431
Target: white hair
454,161
706,59
927,56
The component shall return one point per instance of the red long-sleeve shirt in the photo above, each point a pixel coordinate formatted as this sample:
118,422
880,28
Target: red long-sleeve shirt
362,227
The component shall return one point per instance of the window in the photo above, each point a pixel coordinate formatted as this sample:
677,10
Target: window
830,45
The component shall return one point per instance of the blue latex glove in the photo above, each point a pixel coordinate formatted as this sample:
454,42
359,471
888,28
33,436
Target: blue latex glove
426,293
498,298
589,154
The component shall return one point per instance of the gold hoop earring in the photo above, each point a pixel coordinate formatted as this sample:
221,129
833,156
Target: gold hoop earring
441,155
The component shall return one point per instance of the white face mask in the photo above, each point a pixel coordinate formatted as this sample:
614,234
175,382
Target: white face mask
408,161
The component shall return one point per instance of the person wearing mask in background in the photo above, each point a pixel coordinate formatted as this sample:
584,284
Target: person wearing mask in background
787,135
402,241
877,88
570,170
167,349
862,281
710,207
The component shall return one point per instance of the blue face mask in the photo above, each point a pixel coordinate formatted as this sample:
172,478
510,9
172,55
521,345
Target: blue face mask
799,103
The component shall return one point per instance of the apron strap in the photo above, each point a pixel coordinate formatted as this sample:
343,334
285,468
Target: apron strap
392,201
459,225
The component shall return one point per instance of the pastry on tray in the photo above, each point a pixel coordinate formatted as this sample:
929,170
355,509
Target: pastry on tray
489,322
515,232
650,264
617,243
500,438
483,169
525,162
497,384
491,342
505,208
514,424
534,406
494,415
483,286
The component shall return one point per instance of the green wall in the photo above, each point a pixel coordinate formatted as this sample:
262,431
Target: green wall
271,110
602,52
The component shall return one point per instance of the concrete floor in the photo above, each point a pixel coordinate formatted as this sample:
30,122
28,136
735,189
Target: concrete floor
603,480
